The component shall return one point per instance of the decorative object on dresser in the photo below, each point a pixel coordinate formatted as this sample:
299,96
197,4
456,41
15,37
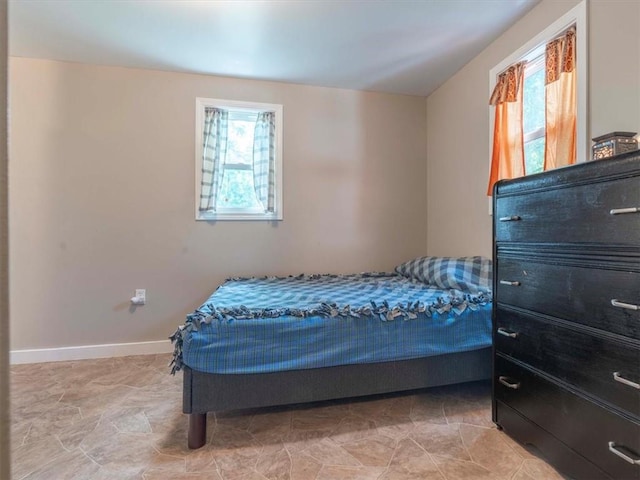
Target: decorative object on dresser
614,143
566,315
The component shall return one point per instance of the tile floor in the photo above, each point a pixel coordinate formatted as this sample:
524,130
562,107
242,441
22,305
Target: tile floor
121,419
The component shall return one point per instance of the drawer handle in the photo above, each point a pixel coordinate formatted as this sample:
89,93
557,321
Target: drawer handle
620,211
505,381
512,218
511,284
625,457
507,333
619,378
628,306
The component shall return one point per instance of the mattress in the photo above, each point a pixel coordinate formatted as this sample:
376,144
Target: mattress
258,325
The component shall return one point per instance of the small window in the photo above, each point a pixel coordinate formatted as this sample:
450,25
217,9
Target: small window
533,115
538,99
238,160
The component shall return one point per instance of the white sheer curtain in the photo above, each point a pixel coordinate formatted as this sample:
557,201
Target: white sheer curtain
264,160
214,150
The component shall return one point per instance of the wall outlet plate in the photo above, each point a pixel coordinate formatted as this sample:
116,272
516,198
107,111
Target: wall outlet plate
141,295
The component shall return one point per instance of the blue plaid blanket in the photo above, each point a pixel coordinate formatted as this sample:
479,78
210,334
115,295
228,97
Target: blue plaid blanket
253,325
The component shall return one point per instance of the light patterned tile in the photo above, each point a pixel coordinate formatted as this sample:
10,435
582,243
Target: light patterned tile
124,449
164,475
353,428
304,467
57,418
234,465
394,425
537,468
102,433
373,450
171,440
458,410
200,460
33,456
441,440
93,399
73,464
428,409
168,463
333,472
19,431
521,475
119,472
270,427
488,449
130,420
411,462
473,391
460,470
168,418
319,418
400,405
239,420
328,452
72,436
81,373
274,463
29,407
121,419
228,439
252,475
299,440
370,408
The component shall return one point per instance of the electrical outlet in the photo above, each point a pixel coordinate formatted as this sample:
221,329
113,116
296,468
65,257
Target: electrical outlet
141,295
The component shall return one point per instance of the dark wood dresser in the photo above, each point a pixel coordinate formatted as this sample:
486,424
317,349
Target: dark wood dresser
566,315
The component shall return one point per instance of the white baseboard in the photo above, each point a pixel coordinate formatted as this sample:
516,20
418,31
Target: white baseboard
85,352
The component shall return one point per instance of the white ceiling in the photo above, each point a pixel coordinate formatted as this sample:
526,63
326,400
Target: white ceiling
401,46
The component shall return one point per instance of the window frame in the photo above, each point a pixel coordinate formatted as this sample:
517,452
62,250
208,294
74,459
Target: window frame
576,16
228,213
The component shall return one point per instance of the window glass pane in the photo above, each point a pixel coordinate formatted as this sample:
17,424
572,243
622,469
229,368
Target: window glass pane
240,142
237,190
533,101
534,155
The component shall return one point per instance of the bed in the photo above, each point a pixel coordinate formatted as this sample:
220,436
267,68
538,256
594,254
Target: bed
259,342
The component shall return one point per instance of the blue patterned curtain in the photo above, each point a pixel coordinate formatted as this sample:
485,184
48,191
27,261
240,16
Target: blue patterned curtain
264,160
214,150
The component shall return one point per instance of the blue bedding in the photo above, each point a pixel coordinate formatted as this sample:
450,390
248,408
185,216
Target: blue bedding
257,325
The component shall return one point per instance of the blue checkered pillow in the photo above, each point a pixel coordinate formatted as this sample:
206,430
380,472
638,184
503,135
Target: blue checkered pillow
472,274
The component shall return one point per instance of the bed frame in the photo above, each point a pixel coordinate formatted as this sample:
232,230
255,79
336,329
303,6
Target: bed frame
207,392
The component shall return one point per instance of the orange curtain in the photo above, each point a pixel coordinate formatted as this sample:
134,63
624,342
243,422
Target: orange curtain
560,103
507,160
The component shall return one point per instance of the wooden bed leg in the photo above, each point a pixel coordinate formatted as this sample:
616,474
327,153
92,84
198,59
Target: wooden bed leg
197,435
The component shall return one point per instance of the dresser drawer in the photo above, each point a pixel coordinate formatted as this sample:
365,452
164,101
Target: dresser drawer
575,214
579,294
558,454
586,361
592,431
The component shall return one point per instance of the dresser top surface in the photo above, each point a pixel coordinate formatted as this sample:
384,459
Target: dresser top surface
620,166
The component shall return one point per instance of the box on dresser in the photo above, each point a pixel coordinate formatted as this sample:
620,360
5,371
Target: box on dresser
566,315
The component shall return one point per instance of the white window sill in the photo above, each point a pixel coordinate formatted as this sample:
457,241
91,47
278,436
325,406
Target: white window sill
238,216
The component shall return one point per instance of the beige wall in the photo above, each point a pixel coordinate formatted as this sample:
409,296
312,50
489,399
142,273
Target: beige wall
614,55
458,130
4,281
102,196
